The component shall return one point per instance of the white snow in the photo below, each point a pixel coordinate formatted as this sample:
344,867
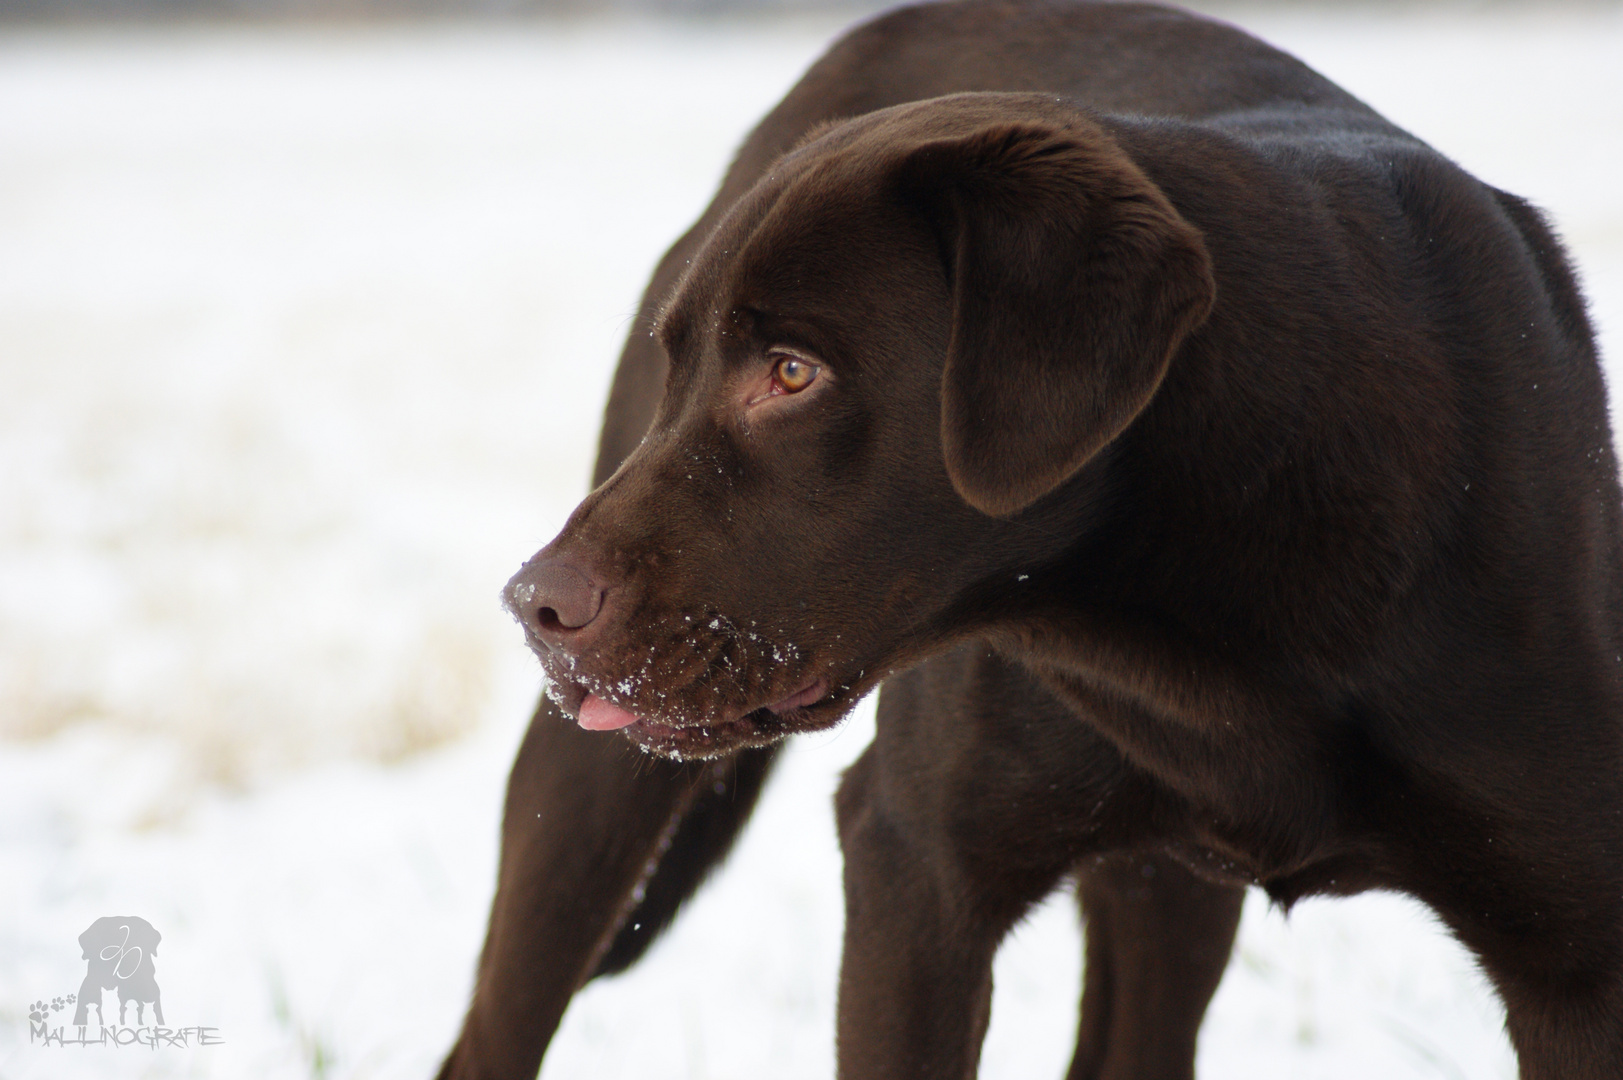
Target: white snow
304,335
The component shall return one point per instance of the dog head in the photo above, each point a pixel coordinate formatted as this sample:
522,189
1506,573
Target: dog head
117,946
893,369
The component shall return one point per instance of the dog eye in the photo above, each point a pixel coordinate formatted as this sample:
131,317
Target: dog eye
793,374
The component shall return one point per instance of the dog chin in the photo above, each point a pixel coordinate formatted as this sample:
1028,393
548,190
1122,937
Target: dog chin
687,742
697,734
754,730
704,739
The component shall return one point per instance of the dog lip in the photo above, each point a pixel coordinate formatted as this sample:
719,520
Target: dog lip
760,726
809,694
751,719
567,693
573,697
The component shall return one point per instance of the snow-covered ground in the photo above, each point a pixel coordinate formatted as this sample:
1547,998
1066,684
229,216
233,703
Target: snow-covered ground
304,335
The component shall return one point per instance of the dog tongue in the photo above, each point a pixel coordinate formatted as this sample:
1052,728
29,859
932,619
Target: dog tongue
598,715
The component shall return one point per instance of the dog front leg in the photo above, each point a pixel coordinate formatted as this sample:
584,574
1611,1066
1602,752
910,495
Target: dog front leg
1158,939
916,979
587,820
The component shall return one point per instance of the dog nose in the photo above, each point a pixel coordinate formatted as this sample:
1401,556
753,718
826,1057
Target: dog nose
551,597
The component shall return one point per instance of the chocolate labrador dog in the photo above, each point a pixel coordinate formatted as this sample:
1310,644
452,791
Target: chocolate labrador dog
1219,480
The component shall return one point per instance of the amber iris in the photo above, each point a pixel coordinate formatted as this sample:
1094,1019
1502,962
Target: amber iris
794,374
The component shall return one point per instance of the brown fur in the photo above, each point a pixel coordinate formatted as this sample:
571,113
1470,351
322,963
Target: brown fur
1218,479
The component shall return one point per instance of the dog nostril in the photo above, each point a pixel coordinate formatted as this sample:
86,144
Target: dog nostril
552,597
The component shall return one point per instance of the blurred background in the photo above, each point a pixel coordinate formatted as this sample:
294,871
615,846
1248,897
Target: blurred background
307,314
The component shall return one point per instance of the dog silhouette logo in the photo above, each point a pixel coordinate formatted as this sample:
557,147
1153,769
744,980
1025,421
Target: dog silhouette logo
118,949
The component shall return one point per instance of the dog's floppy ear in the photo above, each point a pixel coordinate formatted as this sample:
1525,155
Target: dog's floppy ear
144,935
1073,282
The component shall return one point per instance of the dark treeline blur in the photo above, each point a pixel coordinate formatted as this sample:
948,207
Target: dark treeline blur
346,10
118,10
30,10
